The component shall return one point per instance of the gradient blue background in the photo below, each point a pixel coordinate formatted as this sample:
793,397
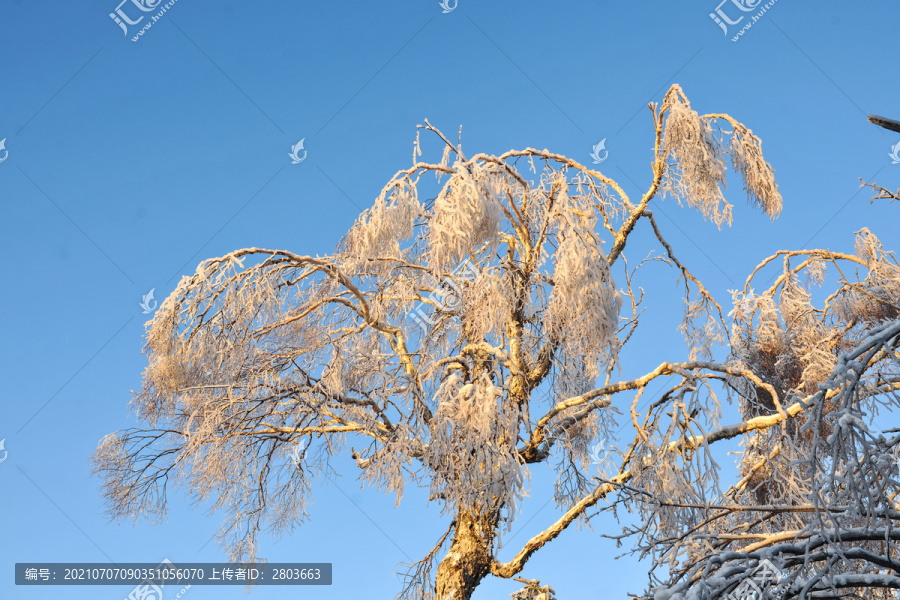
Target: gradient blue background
131,162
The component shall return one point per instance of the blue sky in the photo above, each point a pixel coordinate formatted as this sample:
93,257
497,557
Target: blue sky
129,162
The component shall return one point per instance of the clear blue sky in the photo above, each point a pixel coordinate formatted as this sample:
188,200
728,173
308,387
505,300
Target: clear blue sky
129,162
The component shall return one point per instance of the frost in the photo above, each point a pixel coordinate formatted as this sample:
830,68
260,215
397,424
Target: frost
584,305
697,175
467,213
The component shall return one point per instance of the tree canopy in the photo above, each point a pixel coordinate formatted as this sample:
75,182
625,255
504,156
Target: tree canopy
456,342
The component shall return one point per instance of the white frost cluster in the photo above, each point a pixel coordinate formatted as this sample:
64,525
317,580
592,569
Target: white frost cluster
467,213
758,175
584,305
697,172
380,230
472,449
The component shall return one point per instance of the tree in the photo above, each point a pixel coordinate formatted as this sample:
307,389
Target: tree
465,339
814,514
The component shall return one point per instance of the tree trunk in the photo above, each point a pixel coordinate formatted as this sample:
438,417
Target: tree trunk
468,560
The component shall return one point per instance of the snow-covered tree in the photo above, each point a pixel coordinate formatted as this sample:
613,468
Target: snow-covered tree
460,341
814,513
